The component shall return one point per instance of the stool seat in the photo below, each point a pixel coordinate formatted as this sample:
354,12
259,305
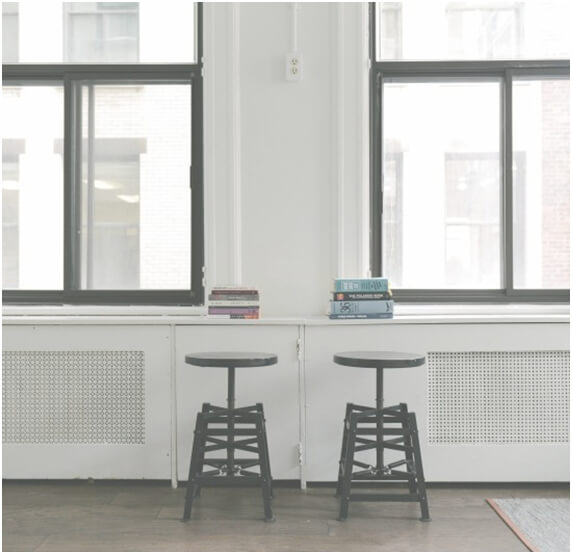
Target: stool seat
379,359
231,359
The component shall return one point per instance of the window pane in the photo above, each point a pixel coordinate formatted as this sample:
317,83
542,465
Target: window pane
135,198
473,30
442,190
9,32
541,176
103,32
32,187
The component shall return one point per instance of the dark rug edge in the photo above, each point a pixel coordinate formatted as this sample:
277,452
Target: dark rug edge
513,527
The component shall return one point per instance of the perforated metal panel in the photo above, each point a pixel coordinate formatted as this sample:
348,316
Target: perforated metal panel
94,397
498,397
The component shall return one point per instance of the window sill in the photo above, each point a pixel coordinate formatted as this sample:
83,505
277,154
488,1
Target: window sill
170,315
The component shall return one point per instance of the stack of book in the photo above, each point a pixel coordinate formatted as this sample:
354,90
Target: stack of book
234,301
359,298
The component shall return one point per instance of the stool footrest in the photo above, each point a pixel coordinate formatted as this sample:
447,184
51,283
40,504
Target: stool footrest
384,497
237,462
228,480
235,432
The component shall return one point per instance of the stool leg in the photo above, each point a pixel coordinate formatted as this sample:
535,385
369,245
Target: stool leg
260,408
344,446
205,410
230,424
348,463
419,468
195,466
379,425
264,469
409,455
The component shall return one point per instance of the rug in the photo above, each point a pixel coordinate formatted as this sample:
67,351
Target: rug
541,524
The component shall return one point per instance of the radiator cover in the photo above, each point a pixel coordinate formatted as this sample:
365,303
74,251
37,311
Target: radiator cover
498,397
73,397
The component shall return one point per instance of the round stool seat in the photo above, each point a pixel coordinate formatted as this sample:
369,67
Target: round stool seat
231,359
379,359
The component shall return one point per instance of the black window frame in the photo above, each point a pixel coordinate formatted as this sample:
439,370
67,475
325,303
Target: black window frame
71,76
506,71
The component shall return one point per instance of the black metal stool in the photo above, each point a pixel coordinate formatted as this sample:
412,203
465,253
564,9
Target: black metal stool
396,422
230,429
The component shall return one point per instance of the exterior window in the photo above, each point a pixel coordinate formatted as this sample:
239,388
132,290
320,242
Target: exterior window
101,32
32,187
103,205
471,173
391,43
11,150
486,32
449,185
472,30
135,210
541,124
9,32
57,32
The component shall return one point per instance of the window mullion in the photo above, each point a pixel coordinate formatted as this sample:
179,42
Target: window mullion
89,188
376,169
69,154
507,180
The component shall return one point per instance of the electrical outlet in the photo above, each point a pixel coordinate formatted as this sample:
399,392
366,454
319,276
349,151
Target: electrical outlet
294,66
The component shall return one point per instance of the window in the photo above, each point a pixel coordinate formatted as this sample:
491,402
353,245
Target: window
9,32
471,177
101,32
472,29
102,168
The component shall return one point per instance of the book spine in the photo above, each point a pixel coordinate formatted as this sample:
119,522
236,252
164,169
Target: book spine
234,288
235,316
362,285
232,297
383,295
235,292
361,307
234,302
232,310
371,316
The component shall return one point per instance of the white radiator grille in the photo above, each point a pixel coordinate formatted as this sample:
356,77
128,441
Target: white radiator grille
93,397
498,397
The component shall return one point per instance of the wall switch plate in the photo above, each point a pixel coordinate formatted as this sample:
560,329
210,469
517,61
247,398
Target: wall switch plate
293,66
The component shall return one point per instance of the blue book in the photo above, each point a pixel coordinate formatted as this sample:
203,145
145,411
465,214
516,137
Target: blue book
362,284
361,307
371,316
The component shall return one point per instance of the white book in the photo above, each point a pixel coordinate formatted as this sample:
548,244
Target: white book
234,287
233,302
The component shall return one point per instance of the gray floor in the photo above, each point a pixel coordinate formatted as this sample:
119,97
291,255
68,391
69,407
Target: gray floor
140,516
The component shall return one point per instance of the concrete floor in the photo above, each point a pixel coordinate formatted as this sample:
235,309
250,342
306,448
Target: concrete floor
145,516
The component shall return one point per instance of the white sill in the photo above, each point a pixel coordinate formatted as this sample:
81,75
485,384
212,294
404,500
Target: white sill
477,309
102,310
404,314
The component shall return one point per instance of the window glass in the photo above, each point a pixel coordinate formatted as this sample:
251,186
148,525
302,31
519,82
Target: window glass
442,186
135,195
541,176
473,29
100,32
32,187
9,32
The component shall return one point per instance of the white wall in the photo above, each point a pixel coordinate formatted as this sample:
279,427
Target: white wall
285,162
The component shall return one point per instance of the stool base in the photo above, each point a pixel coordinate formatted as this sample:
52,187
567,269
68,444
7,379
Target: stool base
232,430
395,429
